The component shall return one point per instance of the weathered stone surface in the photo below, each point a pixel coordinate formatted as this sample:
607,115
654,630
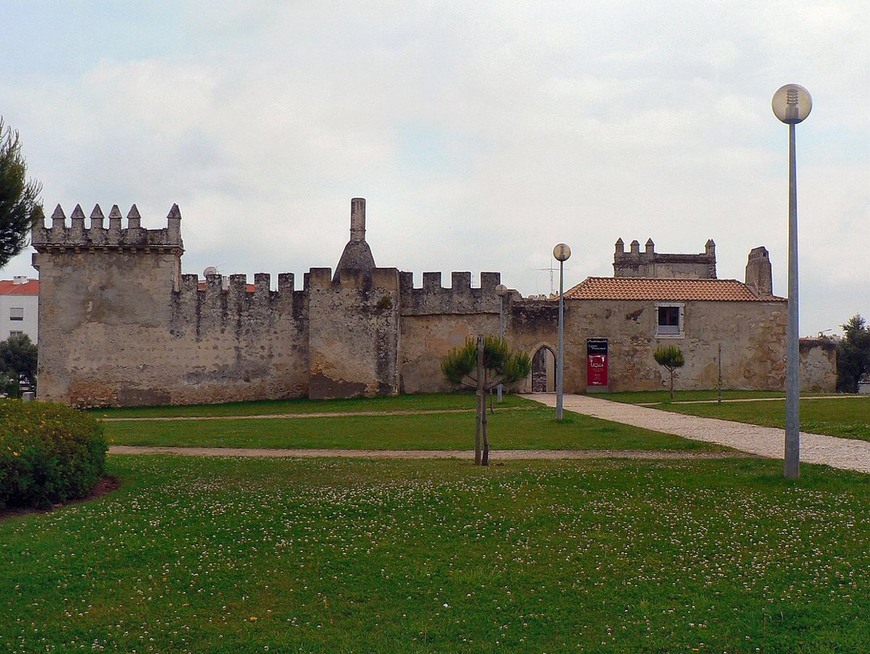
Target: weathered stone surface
818,368
120,325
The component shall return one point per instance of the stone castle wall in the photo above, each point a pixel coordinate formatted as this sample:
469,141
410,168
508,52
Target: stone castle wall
123,326
120,325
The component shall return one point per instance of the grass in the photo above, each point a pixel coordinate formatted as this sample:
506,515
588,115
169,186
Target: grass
325,555
396,403
518,424
709,395
847,416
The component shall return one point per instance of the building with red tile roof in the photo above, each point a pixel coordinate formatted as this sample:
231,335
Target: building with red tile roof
19,307
683,290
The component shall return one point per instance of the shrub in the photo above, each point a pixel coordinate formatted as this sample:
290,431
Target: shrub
49,453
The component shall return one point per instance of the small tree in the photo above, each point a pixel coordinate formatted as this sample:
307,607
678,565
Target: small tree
18,359
482,364
670,358
853,355
19,199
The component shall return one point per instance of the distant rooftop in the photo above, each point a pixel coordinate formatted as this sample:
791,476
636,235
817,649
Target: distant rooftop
19,286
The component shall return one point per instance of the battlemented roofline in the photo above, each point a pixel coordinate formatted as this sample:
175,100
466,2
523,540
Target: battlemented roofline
115,236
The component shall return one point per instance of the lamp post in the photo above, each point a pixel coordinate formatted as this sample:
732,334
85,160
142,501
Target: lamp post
561,252
501,291
791,104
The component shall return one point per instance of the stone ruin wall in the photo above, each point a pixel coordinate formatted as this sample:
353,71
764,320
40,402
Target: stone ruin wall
124,327
818,367
352,341
436,320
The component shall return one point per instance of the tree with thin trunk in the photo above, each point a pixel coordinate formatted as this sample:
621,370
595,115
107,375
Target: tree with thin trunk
482,364
670,358
20,207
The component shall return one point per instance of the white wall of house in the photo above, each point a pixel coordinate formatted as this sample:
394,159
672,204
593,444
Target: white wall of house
19,308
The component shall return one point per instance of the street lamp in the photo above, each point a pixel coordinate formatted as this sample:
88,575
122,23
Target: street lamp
500,290
792,104
561,252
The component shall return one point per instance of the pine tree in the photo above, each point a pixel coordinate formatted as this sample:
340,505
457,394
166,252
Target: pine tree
482,364
20,207
670,358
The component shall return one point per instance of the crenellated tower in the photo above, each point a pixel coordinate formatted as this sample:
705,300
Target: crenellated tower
652,264
101,284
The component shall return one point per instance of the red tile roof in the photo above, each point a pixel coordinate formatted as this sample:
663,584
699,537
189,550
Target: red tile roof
639,288
9,287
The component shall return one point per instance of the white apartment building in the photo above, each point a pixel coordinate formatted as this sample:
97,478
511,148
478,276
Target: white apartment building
19,307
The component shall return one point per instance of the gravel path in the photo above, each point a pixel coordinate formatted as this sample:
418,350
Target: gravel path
845,453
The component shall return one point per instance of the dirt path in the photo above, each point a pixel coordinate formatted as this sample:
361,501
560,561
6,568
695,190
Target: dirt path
769,442
495,455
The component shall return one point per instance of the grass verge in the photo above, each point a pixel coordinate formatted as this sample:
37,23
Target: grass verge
528,425
325,555
847,416
302,406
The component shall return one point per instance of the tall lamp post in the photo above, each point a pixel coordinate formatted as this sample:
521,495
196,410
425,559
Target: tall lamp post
501,291
791,104
561,252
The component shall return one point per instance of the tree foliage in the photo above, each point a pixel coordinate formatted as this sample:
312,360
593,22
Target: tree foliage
853,354
483,363
670,357
17,358
19,199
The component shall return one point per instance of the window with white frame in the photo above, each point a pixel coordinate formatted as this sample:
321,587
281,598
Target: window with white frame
16,313
669,320
14,333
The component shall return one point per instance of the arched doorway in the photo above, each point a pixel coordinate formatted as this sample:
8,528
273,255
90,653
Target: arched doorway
544,371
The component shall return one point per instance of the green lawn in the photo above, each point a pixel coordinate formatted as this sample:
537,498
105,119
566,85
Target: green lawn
847,415
519,424
396,403
325,555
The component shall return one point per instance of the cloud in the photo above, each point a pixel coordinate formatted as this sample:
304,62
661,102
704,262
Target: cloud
480,133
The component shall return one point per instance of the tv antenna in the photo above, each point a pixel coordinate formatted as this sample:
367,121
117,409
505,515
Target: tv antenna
552,270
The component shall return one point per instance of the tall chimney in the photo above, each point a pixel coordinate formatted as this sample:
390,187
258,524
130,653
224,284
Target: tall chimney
357,220
759,276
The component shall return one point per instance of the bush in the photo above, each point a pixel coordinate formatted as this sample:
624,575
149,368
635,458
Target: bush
49,453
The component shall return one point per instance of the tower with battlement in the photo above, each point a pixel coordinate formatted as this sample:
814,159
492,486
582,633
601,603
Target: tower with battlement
657,265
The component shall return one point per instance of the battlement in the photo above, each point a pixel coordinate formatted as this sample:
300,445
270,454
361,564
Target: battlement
61,236
233,306
459,298
652,264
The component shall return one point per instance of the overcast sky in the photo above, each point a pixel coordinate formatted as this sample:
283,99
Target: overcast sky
480,133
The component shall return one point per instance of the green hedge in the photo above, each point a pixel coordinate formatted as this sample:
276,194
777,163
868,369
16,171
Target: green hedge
49,453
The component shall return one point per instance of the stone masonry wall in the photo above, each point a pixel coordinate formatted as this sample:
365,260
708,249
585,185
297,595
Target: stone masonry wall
751,334
818,368
353,333
120,325
235,345
436,320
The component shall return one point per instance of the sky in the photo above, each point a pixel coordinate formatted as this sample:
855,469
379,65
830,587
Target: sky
480,133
